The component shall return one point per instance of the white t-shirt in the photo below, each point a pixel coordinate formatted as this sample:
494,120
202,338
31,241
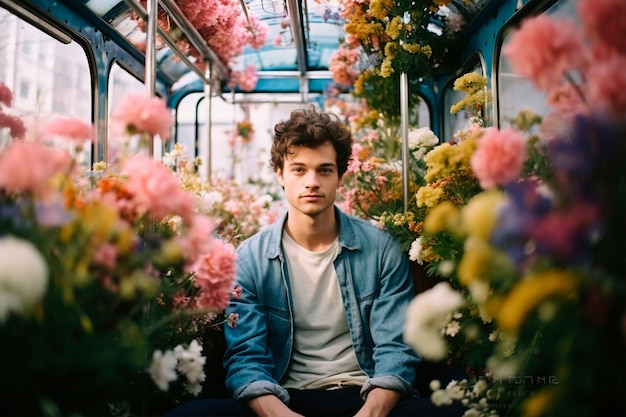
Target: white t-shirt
323,355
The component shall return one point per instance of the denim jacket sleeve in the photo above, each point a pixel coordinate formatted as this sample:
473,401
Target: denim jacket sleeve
250,361
393,360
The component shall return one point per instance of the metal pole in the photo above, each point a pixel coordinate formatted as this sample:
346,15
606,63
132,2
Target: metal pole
150,69
208,87
404,124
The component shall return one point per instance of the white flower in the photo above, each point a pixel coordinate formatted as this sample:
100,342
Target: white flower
427,314
446,268
453,328
472,412
440,397
206,202
480,387
23,276
415,252
191,364
171,159
194,389
163,368
422,138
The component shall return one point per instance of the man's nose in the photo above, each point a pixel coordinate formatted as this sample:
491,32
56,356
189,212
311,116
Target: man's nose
312,179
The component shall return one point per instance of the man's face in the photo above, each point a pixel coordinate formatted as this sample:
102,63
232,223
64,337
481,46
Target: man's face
310,179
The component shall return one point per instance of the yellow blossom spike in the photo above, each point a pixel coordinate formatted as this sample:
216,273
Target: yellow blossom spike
440,217
479,216
531,291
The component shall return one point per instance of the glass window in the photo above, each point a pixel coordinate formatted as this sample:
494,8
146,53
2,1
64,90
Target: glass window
516,93
47,78
452,123
121,84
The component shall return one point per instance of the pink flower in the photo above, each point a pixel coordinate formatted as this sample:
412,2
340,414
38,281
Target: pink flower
606,85
198,239
354,165
29,166
544,49
499,158
247,79
567,100
6,97
156,189
15,125
604,21
215,276
141,113
257,32
105,255
70,127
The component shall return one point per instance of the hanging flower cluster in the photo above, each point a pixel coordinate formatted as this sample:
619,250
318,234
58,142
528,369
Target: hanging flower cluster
223,26
391,38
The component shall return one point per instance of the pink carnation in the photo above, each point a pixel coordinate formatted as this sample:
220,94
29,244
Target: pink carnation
198,240
71,128
544,49
215,275
156,189
141,113
606,85
499,158
29,166
604,21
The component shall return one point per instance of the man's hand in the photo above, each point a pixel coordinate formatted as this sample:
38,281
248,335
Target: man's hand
270,406
379,403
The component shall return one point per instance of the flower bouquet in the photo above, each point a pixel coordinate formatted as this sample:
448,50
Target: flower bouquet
107,287
541,256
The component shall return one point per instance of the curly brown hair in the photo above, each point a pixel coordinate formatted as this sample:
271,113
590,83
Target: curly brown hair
310,128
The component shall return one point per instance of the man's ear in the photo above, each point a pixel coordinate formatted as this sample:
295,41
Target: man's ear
279,177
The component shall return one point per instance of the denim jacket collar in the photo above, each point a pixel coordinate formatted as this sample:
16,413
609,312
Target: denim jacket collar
347,235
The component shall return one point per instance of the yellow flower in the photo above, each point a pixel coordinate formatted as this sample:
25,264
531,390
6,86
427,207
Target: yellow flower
437,161
441,217
536,404
531,291
99,221
474,266
470,83
465,150
391,50
386,69
379,8
100,166
479,216
428,196
415,48
394,27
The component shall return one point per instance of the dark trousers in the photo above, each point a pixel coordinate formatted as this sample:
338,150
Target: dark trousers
316,403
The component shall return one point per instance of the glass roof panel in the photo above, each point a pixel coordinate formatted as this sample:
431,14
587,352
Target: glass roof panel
317,37
102,7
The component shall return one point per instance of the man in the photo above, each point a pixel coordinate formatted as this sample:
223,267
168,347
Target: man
323,298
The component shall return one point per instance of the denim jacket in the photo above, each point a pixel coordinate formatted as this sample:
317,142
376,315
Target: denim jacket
376,287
